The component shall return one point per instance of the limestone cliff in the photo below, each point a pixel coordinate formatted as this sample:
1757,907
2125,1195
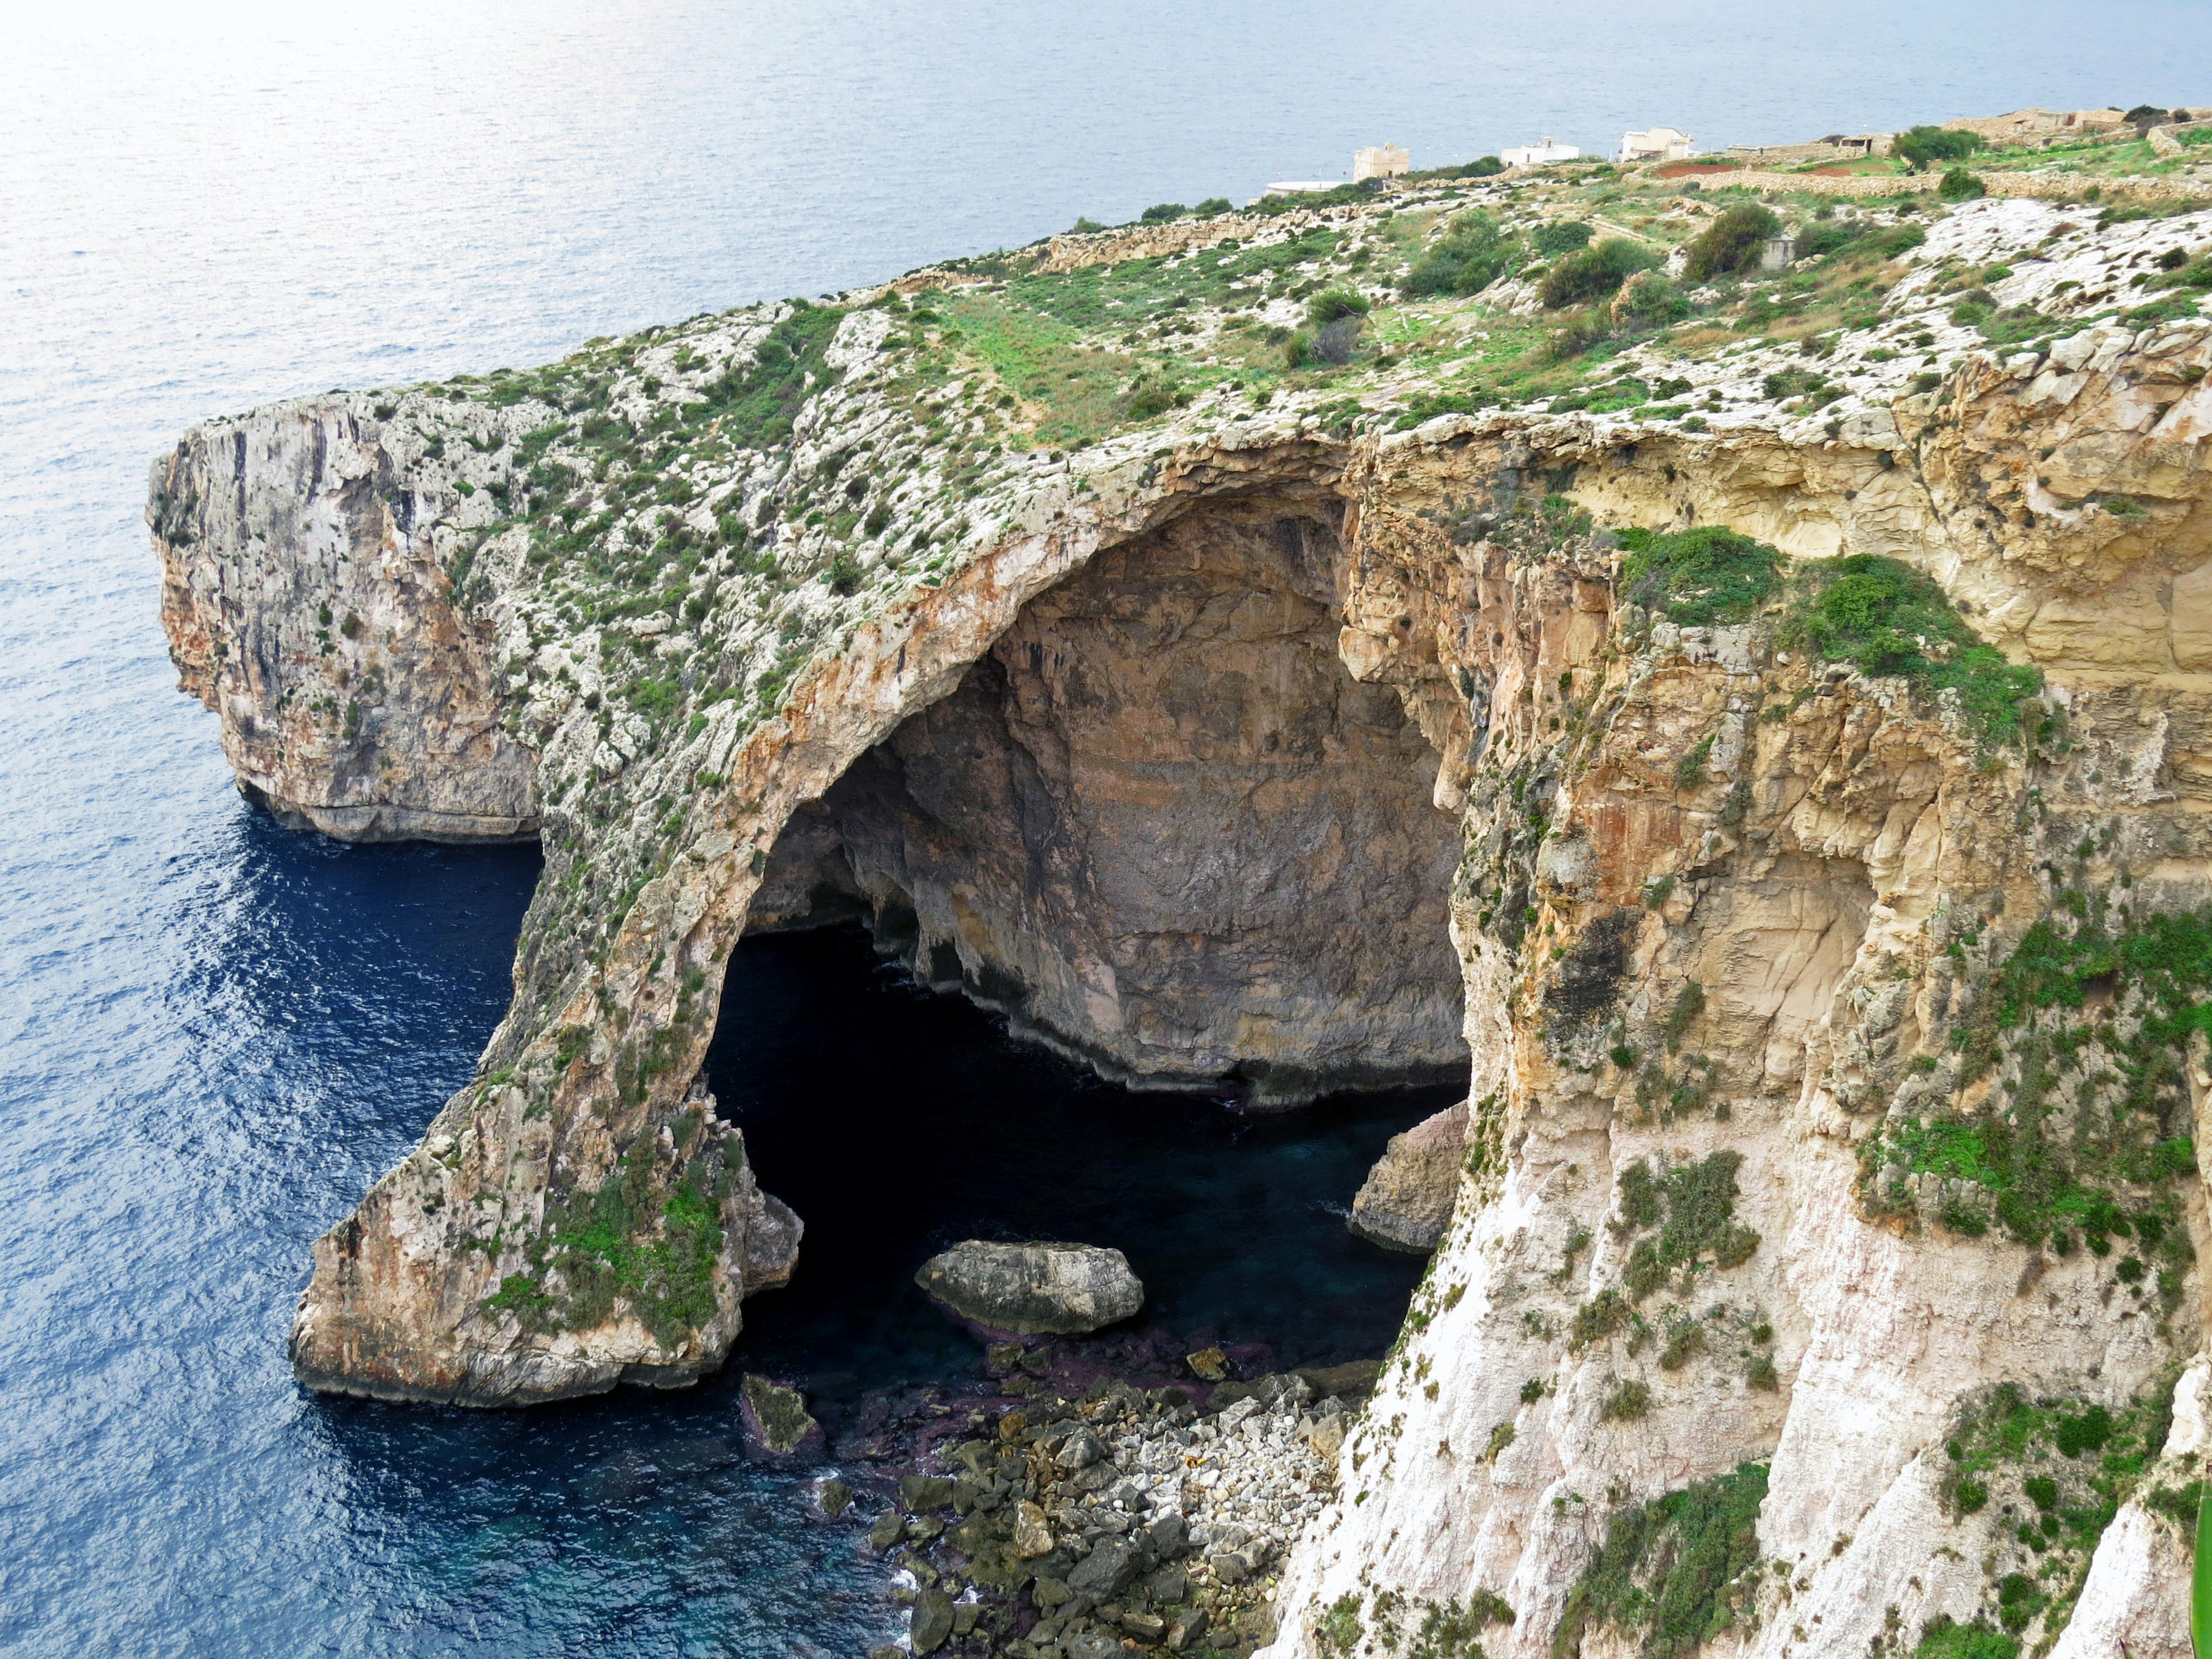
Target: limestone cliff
1823,907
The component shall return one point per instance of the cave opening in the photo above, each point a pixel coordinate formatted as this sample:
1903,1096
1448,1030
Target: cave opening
1157,853
1161,829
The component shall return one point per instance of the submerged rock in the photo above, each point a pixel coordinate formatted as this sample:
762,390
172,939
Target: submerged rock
778,1428
1407,1201
1034,1290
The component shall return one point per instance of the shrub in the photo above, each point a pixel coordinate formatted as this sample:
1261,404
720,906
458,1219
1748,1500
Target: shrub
1945,1638
1595,272
1960,186
1626,1402
1470,257
1731,242
1161,212
1212,205
1885,619
1561,236
1924,145
1674,1570
1698,577
1335,305
1831,237
1150,395
1652,300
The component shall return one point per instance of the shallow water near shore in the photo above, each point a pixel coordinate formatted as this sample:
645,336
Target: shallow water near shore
216,1035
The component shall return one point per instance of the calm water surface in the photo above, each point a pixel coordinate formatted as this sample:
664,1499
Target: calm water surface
214,1034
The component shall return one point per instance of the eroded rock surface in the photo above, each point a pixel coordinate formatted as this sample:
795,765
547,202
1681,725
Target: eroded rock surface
1162,828
1406,1202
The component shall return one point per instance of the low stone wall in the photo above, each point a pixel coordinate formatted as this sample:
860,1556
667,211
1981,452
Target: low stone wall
2043,185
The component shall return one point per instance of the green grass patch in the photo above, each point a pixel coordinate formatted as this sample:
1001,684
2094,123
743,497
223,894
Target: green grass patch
1075,393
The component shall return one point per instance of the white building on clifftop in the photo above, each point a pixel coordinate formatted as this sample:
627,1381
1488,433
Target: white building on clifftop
1654,144
1535,154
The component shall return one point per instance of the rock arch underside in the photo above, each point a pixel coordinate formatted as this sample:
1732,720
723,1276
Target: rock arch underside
1244,753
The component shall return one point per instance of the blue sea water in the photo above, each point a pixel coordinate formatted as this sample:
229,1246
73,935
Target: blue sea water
215,1034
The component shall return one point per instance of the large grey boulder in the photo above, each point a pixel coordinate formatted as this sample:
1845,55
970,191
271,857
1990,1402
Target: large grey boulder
1406,1202
1034,1290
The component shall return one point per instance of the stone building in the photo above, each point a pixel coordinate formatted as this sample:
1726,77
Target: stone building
1380,161
1654,144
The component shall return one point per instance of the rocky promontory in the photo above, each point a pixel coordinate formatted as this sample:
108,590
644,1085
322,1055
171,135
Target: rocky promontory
1754,725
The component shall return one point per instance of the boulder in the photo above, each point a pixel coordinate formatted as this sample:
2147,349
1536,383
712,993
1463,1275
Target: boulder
1032,1531
1109,1567
1034,1290
1406,1202
933,1620
778,1428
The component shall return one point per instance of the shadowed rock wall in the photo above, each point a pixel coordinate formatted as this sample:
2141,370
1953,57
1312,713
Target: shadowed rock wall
1162,828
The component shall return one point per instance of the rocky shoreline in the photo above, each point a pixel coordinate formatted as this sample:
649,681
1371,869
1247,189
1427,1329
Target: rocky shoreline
1082,1496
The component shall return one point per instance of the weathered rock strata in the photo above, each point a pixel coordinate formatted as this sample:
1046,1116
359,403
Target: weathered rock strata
1736,925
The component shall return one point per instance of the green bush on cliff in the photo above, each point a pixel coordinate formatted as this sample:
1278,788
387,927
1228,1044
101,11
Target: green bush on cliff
1731,242
615,1242
1472,255
2086,1132
758,405
1595,272
2061,1468
1698,577
1886,619
1676,1571
1944,1638
1698,1200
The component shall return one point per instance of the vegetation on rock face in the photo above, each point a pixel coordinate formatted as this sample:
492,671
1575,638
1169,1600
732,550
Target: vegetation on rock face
1675,1573
614,1244
2055,1472
1946,1639
1698,577
1885,619
2087,1025
1693,1207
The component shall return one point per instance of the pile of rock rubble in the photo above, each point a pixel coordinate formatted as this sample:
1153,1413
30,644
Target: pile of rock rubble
1073,1528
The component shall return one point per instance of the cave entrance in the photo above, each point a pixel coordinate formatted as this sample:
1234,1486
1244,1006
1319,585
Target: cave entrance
1161,829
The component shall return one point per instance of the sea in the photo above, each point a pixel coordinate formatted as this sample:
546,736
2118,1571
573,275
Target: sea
214,1033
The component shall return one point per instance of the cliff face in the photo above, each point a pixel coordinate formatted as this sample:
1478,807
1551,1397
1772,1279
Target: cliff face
306,603
1830,941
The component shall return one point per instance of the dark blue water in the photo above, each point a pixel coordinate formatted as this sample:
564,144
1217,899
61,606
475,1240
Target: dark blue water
898,1122
213,1035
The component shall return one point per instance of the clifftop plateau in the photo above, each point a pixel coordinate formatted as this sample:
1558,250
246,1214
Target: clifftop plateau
1755,724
